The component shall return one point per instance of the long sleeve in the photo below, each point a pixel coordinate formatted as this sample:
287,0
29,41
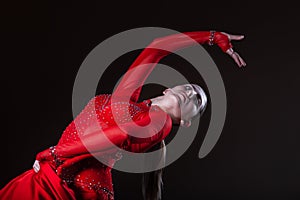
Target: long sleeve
132,82
96,140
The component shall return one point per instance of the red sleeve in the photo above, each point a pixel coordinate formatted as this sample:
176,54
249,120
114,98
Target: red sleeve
161,124
97,140
132,82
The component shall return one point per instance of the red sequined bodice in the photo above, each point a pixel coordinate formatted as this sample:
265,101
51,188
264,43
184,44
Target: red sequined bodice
98,112
89,173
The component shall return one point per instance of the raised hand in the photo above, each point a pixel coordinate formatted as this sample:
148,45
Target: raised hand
223,40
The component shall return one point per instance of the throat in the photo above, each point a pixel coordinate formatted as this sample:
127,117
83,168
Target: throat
166,106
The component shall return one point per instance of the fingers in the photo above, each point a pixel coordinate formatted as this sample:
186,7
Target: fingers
241,60
235,37
226,44
36,166
236,57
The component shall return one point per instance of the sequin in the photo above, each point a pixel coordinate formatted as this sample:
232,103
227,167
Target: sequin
90,174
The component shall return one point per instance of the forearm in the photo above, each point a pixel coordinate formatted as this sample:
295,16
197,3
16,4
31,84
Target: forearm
179,41
163,46
92,142
150,56
95,141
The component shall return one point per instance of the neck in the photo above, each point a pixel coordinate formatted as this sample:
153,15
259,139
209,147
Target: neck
165,106
158,101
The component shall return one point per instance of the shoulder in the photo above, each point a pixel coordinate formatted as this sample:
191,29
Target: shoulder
154,125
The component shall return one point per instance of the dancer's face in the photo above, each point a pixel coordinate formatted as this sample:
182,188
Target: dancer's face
186,102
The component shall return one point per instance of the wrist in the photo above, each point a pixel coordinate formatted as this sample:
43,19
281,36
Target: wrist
55,157
211,39
222,41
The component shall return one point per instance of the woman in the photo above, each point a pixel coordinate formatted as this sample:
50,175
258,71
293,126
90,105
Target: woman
69,171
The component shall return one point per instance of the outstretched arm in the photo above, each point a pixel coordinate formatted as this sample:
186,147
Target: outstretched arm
101,142
141,68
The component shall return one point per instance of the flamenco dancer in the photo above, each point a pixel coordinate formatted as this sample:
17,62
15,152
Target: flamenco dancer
68,170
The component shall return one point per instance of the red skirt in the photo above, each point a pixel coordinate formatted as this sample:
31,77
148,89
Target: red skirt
42,185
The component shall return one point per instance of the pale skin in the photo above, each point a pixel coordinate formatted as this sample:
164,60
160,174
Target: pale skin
181,102
235,56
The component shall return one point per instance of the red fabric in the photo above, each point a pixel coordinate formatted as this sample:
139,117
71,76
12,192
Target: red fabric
222,41
30,185
79,174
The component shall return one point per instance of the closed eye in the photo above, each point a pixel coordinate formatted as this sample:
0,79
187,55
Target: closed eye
187,87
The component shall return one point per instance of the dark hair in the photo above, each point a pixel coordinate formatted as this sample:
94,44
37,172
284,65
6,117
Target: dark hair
152,183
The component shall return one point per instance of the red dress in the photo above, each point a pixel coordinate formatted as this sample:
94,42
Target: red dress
68,170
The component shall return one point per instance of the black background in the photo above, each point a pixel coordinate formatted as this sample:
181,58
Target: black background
257,155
